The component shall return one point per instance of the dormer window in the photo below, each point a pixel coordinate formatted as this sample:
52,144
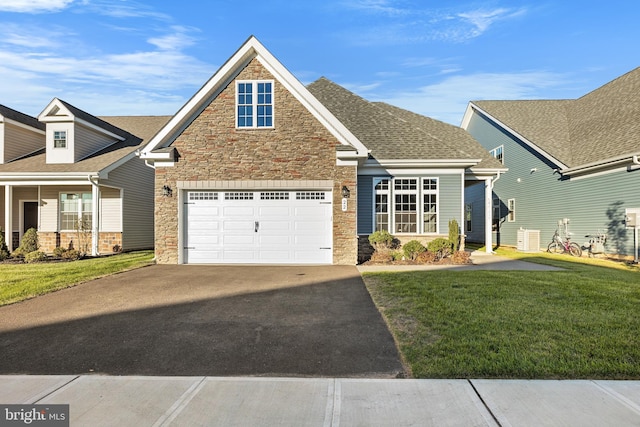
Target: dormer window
254,104
60,139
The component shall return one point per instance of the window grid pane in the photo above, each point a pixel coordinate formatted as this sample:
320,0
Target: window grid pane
60,139
406,213
382,212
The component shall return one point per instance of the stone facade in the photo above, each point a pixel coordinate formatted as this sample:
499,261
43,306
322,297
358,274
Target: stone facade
108,242
211,148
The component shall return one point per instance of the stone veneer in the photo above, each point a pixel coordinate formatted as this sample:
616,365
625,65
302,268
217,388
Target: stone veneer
108,242
297,148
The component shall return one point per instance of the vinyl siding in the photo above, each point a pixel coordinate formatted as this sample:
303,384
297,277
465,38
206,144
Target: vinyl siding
110,210
137,183
449,200
50,196
19,142
542,198
88,141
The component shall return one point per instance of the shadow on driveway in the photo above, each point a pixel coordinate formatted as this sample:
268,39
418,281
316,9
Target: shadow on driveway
203,320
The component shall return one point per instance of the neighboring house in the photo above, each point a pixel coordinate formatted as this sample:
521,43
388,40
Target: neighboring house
76,179
574,159
257,168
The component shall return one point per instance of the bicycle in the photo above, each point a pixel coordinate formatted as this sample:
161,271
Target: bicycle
560,246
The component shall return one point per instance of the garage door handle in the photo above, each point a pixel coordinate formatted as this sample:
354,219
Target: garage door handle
257,226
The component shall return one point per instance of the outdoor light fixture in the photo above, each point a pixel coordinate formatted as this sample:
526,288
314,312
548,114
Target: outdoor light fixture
345,192
166,191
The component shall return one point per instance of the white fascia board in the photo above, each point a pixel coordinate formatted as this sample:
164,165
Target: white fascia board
251,49
22,125
64,117
599,165
543,153
427,163
43,178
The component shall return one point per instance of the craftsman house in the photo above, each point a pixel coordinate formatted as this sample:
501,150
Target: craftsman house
258,168
76,179
574,161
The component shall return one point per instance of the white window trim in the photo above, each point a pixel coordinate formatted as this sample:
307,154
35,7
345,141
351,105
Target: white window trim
419,192
468,212
80,193
254,104
65,139
387,192
494,153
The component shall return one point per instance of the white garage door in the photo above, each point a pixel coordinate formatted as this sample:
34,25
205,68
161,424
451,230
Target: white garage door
270,227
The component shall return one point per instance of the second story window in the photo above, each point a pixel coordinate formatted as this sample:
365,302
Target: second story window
498,154
60,139
254,104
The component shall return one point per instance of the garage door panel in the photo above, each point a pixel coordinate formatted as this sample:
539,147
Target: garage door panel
239,211
259,227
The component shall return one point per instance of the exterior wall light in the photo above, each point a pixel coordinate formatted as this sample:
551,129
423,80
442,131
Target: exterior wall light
167,191
345,192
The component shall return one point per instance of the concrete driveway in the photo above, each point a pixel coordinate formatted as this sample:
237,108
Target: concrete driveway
203,320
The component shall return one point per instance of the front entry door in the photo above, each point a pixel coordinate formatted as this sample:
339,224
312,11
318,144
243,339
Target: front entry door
30,216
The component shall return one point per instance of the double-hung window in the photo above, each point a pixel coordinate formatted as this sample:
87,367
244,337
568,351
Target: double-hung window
60,139
254,104
382,205
498,153
75,211
406,205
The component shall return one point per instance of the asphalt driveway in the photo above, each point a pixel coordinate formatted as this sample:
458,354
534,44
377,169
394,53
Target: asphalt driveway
203,320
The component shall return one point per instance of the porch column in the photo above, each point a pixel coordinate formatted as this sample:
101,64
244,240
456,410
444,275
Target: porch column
488,215
8,216
95,219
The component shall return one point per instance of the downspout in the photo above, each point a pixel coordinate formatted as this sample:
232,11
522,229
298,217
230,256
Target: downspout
95,216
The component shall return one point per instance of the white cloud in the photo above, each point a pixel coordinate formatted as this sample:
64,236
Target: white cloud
482,19
34,6
173,41
447,100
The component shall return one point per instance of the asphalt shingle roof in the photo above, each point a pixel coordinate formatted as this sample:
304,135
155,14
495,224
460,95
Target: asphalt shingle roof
10,113
136,129
600,125
392,133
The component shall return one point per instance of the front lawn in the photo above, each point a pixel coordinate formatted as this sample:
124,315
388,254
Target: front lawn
580,323
23,281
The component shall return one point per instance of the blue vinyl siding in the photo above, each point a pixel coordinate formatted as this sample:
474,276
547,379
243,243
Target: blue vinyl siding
449,201
592,203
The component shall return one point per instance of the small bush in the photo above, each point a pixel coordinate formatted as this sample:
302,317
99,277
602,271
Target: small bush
397,255
412,249
454,235
59,251
440,246
71,255
29,243
4,250
426,257
35,256
381,240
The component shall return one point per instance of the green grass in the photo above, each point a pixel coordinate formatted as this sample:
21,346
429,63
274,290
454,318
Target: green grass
580,323
22,281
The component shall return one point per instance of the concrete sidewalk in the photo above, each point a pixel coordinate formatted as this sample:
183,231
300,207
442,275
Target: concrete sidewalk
258,401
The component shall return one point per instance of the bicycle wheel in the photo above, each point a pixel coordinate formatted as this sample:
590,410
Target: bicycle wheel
574,249
554,248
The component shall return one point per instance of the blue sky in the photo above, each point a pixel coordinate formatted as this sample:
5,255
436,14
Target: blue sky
148,57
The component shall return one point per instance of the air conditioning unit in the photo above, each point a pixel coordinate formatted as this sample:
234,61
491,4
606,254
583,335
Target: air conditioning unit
528,240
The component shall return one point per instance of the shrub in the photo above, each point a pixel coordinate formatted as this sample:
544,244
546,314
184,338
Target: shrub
454,235
4,250
381,240
35,256
71,255
426,257
397,255
441,247
412,249
59,251
29,243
